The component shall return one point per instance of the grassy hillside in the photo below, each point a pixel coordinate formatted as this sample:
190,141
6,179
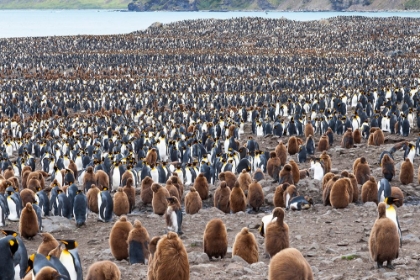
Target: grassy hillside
64,4
291,5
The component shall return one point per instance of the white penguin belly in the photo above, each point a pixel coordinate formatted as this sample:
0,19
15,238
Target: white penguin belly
174,220
100,215
13,215
67,260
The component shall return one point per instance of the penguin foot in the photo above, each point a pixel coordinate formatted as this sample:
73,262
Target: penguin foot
266,256
180,232
390,266
380,265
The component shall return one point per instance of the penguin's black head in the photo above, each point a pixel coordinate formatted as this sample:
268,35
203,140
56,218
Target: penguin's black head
8,232
13,244
69,243
391,200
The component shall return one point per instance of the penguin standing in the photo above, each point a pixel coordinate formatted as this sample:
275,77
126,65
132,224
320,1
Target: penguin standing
215,240
70,259
80,208
63,205
8,248
20,257
289,264
384,232
277,233
391,213
245,246
105,206
173,215
28,224
103,270
4,211
138,241
118,238
14,204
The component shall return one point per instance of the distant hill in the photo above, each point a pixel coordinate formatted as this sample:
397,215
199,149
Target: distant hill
216,5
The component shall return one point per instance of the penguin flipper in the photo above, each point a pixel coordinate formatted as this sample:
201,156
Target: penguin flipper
136,254
77,265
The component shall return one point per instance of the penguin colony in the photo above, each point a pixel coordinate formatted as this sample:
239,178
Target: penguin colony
91,116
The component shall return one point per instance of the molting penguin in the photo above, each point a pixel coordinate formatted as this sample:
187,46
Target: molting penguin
245,246
384,241
138,240
193,202
277,234
222,197
118,238
215,240
105,206
173,215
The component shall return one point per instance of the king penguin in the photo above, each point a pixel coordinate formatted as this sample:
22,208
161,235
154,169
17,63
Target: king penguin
384,190
8,248
70,259
20,257
14,203
80,208
105,206
392,214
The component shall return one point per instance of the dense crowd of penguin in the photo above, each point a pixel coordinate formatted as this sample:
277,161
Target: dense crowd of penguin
88,120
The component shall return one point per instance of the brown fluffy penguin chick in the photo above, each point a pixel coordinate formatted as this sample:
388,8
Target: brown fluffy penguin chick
388,167
171,259
193,202
173,191
215,240
228,177
47,273
281,152
89,178
353,181
326,178
151,157
130,191
201,186
289,264
34,184
273,166
103,270
8,173
357,136
295,171
347,141
237,199
118,238
92,198
48,244
326,161
370,191
102,179
384,241
398,195
323,143
362,171
27,195
146,193
292,146
139,235
159,202
222,197
406,172
277,234
288,194
152,249
303,173
121,203
176,181
255,196
245,246
309,129
378,137
278,195
286,175
28,223
339,195
244,180
345,174
327,190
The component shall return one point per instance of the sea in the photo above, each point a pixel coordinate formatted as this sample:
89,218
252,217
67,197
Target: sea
36,23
